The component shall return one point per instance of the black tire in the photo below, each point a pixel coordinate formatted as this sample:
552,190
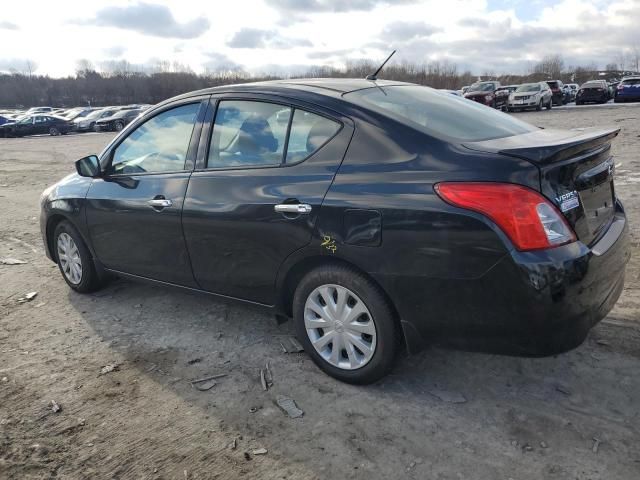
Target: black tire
387,333
549,105
90,280
539,106
92,127
118,126
54,132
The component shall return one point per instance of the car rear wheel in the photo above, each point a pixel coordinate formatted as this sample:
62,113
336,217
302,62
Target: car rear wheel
118,126
54,132
345,324
74,259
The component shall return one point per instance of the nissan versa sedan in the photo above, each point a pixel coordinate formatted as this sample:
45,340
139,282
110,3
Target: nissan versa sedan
376,215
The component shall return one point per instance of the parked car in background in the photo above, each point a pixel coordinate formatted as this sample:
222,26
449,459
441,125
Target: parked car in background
37,124
305,204
530,95
117,121
568,93
38,110
559,94
574,87
593,91
628,90
79,112
88,123
487,93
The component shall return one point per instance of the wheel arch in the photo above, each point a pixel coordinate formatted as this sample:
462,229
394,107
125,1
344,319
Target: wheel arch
300,268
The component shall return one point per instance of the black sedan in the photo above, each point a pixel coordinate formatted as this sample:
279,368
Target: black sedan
117,121
37,124
374,214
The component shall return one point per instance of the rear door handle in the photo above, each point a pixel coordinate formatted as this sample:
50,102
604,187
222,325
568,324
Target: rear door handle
160,203
297,208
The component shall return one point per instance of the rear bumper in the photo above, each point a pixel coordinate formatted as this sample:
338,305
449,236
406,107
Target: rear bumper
532,303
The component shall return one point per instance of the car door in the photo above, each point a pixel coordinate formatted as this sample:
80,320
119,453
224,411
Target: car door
262,173
40,125
133,211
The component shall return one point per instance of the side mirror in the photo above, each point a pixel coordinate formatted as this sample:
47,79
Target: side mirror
88,166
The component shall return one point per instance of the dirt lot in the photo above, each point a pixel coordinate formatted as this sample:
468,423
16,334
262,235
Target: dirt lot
442,414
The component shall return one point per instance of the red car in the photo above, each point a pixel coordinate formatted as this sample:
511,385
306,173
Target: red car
488,93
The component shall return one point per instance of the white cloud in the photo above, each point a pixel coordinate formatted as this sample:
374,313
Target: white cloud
311,32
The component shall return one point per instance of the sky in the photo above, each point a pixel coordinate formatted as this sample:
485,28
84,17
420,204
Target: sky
287,36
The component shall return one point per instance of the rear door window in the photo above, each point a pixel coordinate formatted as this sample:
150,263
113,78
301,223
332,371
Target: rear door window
248,133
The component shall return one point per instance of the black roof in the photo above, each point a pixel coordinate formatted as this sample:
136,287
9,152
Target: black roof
334,87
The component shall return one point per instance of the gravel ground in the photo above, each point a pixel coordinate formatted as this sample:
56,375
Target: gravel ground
442,414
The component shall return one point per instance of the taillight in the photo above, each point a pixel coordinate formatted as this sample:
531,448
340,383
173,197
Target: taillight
529,220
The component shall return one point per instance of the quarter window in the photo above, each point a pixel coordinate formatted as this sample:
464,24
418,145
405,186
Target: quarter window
248,133
309,132
158,145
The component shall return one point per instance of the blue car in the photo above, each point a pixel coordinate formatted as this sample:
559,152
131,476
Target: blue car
628,90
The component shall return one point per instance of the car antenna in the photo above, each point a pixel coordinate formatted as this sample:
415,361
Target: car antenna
374,76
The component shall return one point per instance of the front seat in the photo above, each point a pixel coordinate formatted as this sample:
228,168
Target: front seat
255,141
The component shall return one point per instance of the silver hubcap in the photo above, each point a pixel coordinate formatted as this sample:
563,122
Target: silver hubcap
340,327
69,258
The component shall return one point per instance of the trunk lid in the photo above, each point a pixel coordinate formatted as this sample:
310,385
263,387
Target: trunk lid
576,172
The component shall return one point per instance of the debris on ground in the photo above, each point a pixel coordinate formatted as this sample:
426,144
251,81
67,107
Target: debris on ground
291,344
247,456
602,342
448,396
5,379
543,444
254,409
193,361
27,297
234,444
266,377
11,261
288,405
112,367
206,383
563,389
596,444
55,407
259,451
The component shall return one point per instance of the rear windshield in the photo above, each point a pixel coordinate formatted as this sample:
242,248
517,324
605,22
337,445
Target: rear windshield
439,114
592,85
529,87
553,84
631,81
482,87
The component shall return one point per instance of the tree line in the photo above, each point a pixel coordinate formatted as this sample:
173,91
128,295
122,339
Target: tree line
121,83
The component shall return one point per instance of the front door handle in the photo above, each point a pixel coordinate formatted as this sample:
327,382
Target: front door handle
296,208
160,203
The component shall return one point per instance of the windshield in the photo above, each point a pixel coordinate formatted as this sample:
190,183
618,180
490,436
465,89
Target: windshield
591,85
529,87
439,114
631,81
481,87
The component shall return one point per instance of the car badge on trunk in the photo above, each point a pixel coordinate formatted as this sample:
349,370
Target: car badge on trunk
568,201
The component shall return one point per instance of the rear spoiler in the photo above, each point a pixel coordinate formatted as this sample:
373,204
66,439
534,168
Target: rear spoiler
547,146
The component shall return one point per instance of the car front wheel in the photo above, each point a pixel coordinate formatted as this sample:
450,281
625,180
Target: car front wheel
54,132
345,324
74,259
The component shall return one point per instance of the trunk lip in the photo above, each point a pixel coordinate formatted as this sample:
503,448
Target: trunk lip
546,146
